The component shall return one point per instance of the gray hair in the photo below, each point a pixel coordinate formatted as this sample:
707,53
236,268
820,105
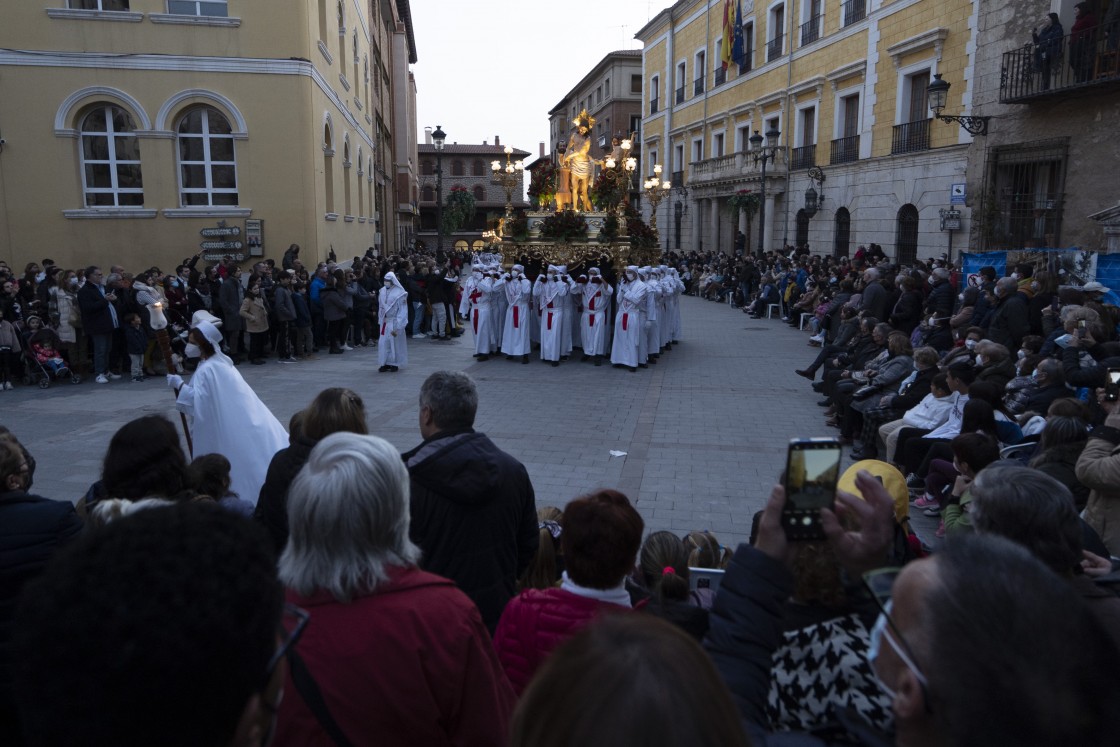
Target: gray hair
939,273
451,397
871,273
349,518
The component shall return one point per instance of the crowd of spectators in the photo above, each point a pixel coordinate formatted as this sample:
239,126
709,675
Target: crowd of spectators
325,621
97,321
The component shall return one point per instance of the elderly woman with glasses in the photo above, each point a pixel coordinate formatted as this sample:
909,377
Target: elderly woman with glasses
397,656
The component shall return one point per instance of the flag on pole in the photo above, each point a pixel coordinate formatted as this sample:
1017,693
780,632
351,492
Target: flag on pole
738,46
728,32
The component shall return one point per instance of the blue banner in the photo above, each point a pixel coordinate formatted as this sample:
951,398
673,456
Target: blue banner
1108,274
971,262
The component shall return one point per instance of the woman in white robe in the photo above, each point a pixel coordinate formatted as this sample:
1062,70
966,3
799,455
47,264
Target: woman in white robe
392,315
595,316
628,330
548,294
518,292
226,415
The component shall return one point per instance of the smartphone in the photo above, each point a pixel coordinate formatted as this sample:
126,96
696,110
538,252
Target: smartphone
812,471
1112,389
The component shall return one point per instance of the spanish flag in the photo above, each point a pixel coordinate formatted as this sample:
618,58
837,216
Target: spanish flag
725,53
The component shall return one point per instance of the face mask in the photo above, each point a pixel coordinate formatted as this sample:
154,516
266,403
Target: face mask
515,274
1014,276
388,283
1034,375
73,282
980,361
875,641
192,351
1022,354
970,344
960,297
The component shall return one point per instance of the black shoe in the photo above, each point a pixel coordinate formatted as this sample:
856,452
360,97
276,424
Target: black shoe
616,365
632,369
563,357
818,386
810,375
859,454
642,365
584,358
393,369
384,369
555,364
257,362
826,402
483,358
598,360
652,360
525,359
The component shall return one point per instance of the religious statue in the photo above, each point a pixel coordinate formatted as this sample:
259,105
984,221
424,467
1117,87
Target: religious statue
577,157
563,181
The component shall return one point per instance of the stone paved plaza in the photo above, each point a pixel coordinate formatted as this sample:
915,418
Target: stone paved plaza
704,431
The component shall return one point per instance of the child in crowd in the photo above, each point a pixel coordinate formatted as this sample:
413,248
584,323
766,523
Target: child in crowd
548,562
44,345
211,477
136,343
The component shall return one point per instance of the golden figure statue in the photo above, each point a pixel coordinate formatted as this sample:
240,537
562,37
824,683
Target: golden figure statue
563,182
578,158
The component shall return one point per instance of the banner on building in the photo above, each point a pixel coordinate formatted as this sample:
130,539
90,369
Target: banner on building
1073,267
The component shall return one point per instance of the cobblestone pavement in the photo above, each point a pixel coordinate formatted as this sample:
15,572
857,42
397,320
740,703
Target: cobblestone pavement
704,431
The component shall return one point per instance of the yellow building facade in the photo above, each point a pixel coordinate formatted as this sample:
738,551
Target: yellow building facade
131,126
845,86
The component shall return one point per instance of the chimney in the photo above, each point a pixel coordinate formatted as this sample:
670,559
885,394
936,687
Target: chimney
497,140
427,136
542,149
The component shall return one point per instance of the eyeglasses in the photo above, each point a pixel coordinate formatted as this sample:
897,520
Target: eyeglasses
879,583
292,623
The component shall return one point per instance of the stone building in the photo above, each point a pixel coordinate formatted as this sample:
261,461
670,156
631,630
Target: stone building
466,166
132,125
844,83
1045,175
611,92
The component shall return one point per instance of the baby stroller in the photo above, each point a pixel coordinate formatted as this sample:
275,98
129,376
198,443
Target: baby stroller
42,374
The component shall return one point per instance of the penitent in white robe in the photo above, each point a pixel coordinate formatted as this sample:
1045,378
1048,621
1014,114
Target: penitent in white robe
392,315
228,418
548,295
516,335
595,316
479,315
628,330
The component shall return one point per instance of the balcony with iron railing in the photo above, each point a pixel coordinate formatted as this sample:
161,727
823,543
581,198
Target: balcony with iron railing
676,179
774,47
748,61
697,86
680,95
853,11
1085,64
803,157
911,137
845,150
721,76
811,30
653,105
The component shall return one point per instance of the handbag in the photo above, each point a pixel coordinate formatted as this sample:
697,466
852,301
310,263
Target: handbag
75,316
864,392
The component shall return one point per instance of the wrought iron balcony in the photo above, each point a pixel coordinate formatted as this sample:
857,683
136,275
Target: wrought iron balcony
811,30
910,137
721,76
697,86
804,157
774,47
680,95
853,11
1034,72
653,105
845,150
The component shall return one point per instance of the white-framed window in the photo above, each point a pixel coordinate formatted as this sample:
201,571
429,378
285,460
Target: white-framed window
743,137
652,163
701,64
214,8
806,126
698,149
680,82
847,114
207,162
776,32
97,4
110,155
717,145
678,157
747,62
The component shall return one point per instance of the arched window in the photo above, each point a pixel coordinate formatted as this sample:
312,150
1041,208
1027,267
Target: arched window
207,165
802,238
906,236
479,194
457,168
328,167
478,168
111,174
428,195
843,232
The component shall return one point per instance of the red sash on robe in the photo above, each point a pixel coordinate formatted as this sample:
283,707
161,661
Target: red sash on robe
625,318
476,321
550,319
516,317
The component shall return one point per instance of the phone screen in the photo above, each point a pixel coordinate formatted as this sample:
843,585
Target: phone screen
812,471
1114,376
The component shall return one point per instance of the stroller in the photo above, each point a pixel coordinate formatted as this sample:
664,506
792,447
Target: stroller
36,372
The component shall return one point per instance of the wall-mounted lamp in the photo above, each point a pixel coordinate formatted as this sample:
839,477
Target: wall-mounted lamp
813,201
937,93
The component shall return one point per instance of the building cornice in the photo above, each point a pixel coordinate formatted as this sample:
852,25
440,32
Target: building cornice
932,39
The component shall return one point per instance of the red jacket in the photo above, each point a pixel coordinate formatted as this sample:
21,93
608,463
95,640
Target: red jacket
410,664
536,622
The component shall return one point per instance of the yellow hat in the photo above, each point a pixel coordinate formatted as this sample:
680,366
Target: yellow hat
891,478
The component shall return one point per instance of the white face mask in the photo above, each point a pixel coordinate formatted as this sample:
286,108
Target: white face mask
388,283
980,361
192,351
1022,354
970,344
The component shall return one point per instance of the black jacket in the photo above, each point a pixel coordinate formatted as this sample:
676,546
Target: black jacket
939,303
1009,323
916,391
474,515
272,503
97,319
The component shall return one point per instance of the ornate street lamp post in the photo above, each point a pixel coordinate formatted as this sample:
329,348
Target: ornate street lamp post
656,191
763,155
508,176
438,138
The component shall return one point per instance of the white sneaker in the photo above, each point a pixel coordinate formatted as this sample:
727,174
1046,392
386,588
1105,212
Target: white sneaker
419,336
102,379
7,385
347,347
817,338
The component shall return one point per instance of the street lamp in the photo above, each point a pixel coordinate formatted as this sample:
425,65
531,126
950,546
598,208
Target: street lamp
509,176
763,155
937,93
812,201
656,190
438,138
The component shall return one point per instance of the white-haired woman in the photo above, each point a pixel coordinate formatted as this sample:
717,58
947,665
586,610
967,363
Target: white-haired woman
400,656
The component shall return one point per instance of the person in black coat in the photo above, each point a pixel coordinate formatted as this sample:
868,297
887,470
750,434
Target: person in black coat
473,507
99,321
939,303
32,529
907,310
1009,322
